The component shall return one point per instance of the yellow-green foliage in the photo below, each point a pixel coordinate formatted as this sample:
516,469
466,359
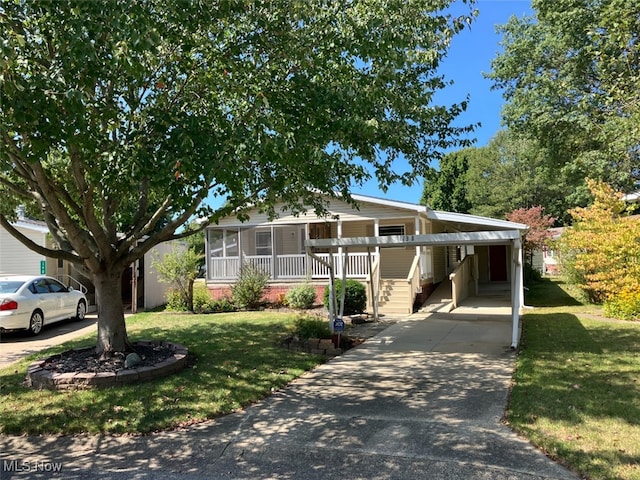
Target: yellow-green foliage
601,252
624,305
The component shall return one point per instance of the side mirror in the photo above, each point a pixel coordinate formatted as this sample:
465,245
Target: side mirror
70,289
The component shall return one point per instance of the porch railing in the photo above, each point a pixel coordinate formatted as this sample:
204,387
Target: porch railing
290,266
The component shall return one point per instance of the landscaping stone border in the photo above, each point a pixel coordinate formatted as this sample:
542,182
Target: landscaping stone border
315,346
38,377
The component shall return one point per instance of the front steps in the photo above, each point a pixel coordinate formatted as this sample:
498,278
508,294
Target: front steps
395,298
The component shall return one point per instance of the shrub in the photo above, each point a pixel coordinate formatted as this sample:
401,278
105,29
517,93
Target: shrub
223,305
625,305
301,297
312,327
355,297
250,287
202,301
176,301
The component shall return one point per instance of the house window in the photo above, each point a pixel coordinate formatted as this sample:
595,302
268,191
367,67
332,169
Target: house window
388,230
263,243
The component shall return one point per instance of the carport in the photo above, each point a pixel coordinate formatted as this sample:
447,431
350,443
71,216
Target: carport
504,237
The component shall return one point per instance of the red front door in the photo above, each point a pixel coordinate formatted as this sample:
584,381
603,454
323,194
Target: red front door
498,263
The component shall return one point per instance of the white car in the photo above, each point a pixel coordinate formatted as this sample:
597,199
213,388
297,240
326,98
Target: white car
30,302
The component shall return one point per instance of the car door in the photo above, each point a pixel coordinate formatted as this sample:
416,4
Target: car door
45,300
65,306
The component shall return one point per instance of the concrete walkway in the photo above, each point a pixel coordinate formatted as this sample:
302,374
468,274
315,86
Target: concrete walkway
422,399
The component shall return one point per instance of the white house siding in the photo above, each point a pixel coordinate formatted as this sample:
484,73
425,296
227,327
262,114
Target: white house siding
154,290
15,258
396,262
439,264
288,240
357,229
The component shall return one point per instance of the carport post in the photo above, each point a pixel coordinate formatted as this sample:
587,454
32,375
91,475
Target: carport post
516,292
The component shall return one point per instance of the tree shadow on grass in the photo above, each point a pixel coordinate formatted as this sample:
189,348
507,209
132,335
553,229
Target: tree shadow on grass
549,293
580,377
235,364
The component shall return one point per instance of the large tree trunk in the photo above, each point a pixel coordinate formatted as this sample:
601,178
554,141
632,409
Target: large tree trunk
112,332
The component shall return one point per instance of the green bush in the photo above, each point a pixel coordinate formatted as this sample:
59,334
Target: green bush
625,305
301,297
355,297
176,301
312,327
202,301
249,289
222,306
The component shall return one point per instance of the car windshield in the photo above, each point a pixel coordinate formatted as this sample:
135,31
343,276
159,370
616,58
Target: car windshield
10,286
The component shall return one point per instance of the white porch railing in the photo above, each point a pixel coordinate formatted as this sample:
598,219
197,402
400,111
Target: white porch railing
290,266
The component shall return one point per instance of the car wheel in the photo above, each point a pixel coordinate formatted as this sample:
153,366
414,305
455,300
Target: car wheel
81,311
36,322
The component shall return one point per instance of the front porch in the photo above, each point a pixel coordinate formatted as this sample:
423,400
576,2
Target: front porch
394,277
292,266
280,251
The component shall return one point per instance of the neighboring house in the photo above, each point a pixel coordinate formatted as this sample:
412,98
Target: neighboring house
550,260
428,246
15,258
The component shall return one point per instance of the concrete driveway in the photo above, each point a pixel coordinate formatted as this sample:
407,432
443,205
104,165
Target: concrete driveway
421,400
17,345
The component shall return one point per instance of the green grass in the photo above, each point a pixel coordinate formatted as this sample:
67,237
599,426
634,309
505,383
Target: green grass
577,385
237,362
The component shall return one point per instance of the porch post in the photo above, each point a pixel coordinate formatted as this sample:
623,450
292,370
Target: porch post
240,247
417,232
376,233
372,286
308,259
274,270
339,234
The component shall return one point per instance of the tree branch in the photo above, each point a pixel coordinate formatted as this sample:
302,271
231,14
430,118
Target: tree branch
31,245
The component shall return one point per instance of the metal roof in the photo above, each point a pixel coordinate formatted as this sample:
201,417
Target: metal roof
468,238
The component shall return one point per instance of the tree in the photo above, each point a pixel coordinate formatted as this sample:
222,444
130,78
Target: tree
577,94
180,268
446,188
538,234
119,119
511,172
601,251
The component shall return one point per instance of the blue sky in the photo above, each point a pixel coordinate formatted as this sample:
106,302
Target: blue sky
469,57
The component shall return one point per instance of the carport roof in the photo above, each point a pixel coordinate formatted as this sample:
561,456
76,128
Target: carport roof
465,222
501,237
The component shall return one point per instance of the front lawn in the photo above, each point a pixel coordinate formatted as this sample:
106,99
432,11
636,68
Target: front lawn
237,362
577,385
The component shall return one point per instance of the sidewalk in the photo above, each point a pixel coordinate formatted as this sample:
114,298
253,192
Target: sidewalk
422,399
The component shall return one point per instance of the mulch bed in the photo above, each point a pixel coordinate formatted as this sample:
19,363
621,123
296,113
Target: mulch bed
88,361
